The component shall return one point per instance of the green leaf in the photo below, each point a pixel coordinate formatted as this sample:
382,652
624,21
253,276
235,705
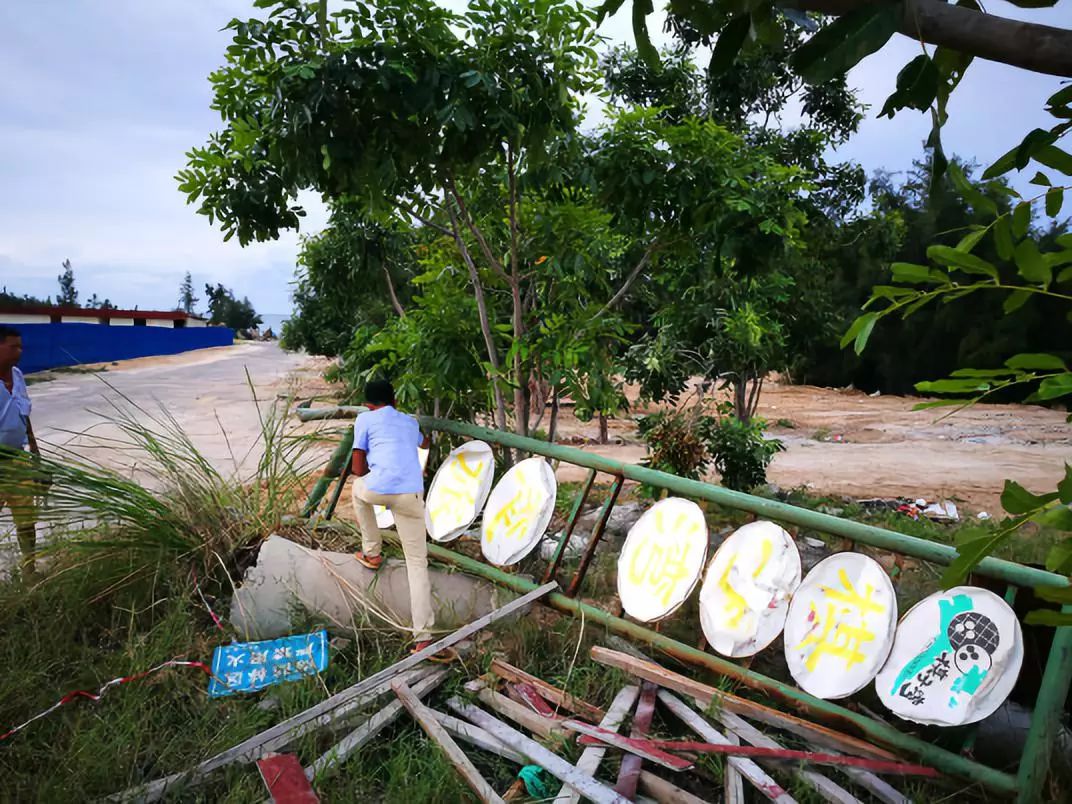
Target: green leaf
1064,276
609,9
1054,387
917,87
1053,157
1015,300
1004,164
1059,518
969,263
912,274
970,240
1015,499
1060,558
1032,144
1030,264
937,403
1021,219
843,43
983,373
1036,362
967,386
1048,617
1041,179
1055,199
1062,594
859,332
1061,97
1003,238
970,192
970,553
729,43
1064,488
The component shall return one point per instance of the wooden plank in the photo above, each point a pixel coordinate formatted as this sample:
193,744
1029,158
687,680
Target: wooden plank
812,732
538,755
478,737
285,780
527,694
879,788
477,783
629,772
593,755
778,754
823,785
364,733
665,792
553,694
746,767
291,728
733,782
521,714
642,748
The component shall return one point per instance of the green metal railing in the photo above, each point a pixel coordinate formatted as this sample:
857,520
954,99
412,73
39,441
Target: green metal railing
1027,784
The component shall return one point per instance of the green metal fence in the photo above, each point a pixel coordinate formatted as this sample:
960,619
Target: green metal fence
1026,784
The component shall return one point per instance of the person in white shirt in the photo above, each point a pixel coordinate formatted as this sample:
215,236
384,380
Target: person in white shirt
16,433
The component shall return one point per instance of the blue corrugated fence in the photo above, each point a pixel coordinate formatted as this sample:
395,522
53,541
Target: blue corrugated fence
48,346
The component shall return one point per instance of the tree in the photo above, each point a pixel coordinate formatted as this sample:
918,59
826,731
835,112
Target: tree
353,274
187,299
224,309
8,299
96,304
68,295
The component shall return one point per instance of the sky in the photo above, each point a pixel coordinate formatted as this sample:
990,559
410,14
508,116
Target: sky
100,100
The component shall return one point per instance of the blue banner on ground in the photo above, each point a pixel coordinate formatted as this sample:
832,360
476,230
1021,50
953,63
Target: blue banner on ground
251,666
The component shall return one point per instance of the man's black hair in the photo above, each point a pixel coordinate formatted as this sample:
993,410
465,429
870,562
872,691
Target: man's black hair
8,332
380,392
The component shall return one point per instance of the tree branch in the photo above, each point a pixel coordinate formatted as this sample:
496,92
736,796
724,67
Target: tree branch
1027,45
479,235
391,291
485,322
429,223
629,280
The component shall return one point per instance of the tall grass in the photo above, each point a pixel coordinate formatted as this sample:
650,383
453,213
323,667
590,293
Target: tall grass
168,501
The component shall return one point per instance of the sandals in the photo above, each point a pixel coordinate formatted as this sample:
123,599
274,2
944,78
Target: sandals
372,562
445,656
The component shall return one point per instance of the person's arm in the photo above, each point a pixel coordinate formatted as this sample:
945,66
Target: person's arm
359,463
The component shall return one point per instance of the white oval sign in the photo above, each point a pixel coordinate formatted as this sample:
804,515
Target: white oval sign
384,518
955,659
840,625
459,490
518,511
746,590
662,559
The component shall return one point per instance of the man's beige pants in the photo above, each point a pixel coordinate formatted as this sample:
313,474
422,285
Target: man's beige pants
408,511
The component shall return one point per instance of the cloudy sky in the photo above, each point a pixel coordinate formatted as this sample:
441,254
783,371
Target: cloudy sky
99,100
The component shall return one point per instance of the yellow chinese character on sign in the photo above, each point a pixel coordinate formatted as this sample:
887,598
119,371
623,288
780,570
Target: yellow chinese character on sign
515,515
736,606
661,564
456,496
837,638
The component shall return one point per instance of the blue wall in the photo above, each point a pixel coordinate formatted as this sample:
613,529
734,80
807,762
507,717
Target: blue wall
48,346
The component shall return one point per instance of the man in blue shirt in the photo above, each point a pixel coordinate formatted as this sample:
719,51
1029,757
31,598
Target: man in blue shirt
387,471
16,489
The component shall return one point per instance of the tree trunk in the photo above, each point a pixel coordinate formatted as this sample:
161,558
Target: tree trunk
552,428
740,398
604,436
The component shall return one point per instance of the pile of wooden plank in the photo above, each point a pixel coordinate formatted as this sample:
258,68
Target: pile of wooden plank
524,720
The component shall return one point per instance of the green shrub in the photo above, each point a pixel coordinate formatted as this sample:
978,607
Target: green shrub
741,452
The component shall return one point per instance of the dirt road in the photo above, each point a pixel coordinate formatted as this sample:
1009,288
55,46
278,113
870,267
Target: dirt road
206,391
847,443
838,442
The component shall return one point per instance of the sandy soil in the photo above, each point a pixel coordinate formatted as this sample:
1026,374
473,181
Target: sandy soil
840,442
845,442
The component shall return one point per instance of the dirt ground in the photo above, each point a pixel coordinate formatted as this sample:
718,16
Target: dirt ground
845,442
838,442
